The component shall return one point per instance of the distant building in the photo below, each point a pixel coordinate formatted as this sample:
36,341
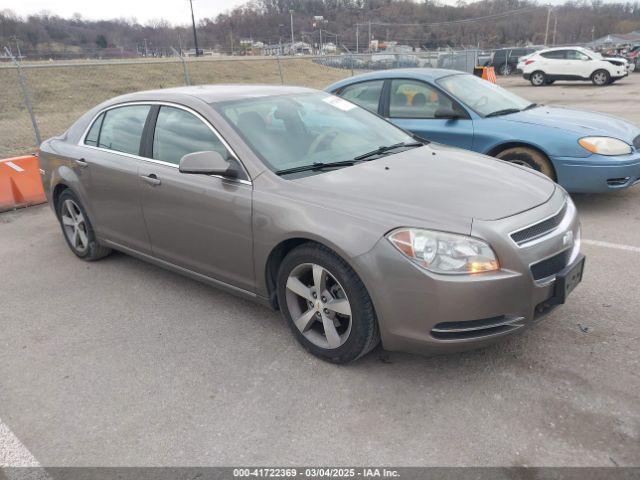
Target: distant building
616,39
299,48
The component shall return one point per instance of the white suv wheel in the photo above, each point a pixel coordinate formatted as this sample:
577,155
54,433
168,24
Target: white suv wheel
537,79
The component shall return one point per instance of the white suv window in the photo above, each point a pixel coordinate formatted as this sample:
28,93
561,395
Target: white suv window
576,55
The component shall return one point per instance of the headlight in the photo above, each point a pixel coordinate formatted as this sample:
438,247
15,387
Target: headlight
605,145
441,252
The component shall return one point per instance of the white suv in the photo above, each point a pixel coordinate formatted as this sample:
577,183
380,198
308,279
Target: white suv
571,63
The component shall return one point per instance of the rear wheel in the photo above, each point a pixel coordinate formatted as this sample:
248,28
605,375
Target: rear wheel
538,79
77,228
326,304
600,78
505,69
530,158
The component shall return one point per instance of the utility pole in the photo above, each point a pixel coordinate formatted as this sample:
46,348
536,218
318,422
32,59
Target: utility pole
546,33
369,36
193,23
292,41
555,26
321,50
357,38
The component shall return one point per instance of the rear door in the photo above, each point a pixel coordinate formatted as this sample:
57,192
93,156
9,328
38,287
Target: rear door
198,222
412,105
555,63
112,149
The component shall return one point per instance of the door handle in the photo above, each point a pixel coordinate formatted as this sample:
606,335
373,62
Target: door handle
82,162
151,179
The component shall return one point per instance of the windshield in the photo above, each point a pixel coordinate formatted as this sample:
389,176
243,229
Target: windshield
292,131
482,96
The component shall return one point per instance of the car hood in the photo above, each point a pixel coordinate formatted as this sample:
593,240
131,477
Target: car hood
578,121
431,185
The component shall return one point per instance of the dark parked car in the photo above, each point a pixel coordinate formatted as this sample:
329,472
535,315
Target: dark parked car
504,60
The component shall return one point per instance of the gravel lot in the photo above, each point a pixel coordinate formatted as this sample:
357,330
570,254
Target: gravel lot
121,363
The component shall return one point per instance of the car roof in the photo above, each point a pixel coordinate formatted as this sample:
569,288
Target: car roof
213,93
562,48
428,74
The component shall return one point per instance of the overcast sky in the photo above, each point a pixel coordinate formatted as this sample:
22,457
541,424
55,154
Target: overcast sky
175,11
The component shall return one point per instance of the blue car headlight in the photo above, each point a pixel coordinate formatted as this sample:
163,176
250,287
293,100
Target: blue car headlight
605,145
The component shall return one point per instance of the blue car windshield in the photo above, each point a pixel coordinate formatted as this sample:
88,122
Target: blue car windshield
483,97
297,130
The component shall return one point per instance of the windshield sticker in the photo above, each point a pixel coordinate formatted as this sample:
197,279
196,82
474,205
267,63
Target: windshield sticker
339,103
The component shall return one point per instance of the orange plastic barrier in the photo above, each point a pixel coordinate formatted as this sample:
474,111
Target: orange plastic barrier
20,183
486,73
489,74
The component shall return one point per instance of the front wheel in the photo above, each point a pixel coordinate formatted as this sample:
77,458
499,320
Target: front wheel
530,158
538,79
326,304
77,229
600,78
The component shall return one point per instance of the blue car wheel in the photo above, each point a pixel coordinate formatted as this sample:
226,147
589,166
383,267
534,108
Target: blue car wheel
530,158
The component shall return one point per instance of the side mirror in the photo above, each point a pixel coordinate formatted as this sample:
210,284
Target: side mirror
207,163
445,112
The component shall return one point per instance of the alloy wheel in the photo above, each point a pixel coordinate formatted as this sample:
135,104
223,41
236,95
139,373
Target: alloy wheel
318,305
600,78
537,78
75,227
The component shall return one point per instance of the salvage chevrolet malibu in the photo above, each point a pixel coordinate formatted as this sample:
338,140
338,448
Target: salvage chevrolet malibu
354,229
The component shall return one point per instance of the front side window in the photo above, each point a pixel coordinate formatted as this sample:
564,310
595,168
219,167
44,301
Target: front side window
179,132
576,55
482,96
122,128
414,99
298,130
365,94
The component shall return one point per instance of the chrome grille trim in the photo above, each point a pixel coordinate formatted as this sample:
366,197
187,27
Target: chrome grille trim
542,228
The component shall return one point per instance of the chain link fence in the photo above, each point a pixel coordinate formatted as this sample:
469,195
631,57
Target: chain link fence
60,92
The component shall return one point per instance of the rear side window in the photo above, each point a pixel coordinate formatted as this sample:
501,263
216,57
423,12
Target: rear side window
122,128
94,132
179,132
554,55
365,94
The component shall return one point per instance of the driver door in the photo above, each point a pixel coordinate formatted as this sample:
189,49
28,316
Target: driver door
412,105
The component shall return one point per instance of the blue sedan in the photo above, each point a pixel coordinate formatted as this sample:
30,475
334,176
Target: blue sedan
582,151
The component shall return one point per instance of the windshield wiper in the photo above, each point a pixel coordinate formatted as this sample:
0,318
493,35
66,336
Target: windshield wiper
387,148
530,106
316,166
505,111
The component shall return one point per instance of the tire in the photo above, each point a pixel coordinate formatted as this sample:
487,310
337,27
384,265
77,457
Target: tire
505,70
538,78
600,78
312,281
530,158
77,229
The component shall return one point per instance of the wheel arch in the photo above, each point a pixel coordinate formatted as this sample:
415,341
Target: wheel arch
501,147
56,192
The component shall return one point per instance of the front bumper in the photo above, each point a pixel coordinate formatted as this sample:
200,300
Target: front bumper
597,173
417,310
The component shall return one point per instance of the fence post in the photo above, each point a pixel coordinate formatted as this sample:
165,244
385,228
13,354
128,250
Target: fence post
187,80
280,70
26,96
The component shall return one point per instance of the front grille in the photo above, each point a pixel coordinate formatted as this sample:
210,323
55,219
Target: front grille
476,328
539,229
636,142
550,266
